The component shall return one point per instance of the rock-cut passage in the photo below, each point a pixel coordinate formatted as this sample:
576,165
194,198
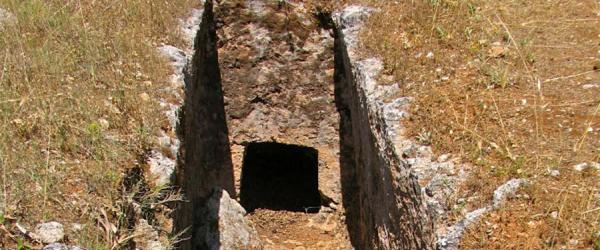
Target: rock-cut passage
280,177
345,186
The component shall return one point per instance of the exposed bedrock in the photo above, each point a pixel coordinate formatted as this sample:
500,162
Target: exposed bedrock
382,198
205,154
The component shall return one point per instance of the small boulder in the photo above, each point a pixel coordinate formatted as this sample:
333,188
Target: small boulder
553,172
161,168
146,237
225,226
49,232
59,246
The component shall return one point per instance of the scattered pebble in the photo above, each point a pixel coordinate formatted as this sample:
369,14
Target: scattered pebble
580,167
553,172
145,97
104,123
532,224
138,75
498,50
443,158
293,242
17,122
76,227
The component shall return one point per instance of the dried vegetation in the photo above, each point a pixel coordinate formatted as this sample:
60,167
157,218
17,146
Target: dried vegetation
79,88
513,88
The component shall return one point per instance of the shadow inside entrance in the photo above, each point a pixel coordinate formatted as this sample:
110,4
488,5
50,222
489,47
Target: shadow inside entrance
279,176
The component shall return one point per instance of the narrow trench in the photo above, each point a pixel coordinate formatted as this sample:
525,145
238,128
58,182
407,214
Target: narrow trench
273,114
277,66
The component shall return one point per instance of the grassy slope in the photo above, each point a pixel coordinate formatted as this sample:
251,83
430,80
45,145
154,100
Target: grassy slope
504,90
72,110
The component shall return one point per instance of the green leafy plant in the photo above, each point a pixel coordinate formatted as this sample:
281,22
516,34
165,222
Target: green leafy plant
472,9
21,244
441,32
94,130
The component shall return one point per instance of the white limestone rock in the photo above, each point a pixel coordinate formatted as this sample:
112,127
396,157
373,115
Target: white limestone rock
49,232
507,190
449,238
59,246
233,230
191,25
147,238
161,168
581,166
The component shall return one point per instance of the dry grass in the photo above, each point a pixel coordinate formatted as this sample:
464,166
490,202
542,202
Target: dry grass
71,117
503,89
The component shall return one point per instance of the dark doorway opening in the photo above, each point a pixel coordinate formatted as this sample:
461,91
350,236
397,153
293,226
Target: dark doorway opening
279,176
